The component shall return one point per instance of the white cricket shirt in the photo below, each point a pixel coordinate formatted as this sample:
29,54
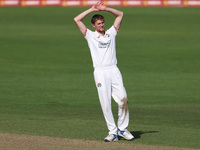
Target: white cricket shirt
102,48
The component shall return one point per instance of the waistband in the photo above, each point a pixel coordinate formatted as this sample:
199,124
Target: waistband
105,68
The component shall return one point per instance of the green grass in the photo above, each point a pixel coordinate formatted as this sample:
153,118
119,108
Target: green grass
46,74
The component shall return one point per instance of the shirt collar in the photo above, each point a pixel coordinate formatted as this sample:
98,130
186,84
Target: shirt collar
98,34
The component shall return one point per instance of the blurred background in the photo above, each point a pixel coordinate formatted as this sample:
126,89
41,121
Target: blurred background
46,75
69,3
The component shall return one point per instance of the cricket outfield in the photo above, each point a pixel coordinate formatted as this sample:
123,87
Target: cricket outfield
46,76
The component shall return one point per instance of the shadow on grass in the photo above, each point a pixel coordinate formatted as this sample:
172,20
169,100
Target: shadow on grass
137,134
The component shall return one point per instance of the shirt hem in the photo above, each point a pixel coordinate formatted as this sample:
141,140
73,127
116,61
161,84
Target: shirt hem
106,67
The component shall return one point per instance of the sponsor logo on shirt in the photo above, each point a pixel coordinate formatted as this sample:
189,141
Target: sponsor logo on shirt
103,44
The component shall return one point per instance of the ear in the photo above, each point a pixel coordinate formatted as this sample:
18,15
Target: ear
93,25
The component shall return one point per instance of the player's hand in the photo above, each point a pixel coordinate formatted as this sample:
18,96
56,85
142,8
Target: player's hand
100,6
95,6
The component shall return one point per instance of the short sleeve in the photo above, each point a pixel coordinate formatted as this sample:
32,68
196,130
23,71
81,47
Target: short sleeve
87,34
113,30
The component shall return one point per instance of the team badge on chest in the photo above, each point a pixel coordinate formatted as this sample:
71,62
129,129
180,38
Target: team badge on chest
107,35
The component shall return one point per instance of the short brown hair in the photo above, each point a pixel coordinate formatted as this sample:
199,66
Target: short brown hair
96,17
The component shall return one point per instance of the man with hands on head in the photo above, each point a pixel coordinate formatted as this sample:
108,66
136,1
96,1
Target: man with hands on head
108,78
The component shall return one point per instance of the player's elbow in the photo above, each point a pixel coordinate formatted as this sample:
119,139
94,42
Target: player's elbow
75,19
122,13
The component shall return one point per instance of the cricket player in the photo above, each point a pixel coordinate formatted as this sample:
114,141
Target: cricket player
107,76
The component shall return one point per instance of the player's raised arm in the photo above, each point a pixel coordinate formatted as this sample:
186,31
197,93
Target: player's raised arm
119,14
78,19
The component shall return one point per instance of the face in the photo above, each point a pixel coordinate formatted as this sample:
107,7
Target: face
99,25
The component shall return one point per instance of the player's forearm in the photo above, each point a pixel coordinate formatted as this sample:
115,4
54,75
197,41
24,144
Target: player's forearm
115,12
82,15
78,19
119,16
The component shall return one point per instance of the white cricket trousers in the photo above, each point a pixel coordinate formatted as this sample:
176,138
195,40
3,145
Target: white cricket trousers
109,84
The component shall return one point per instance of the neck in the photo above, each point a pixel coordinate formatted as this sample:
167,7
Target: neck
101,32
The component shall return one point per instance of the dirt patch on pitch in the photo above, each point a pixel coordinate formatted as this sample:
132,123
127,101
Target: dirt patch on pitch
28,142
